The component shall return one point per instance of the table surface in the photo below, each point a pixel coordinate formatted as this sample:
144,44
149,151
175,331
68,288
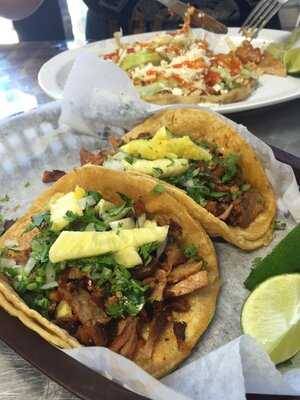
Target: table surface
19,92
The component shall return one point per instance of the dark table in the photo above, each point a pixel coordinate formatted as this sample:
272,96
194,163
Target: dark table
19,92
19,67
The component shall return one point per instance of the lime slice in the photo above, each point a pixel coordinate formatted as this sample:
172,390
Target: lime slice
271,315
291,61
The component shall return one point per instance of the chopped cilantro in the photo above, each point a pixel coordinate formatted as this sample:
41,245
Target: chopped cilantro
40,245
191,251
245,187
4,199
27,184
145,251
158,189
118,212
95,195
115,310
172,162
230,162
129,292
2,227
39,221
158,171
38,302
81,222
278,225
217,195
129,159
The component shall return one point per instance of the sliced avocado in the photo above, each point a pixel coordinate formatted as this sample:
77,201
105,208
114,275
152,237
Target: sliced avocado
140,58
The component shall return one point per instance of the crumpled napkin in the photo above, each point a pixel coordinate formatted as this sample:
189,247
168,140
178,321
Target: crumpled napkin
227,373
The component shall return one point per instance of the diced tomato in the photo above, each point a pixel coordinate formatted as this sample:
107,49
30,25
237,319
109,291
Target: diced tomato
182,81
151,72
203,45
235,65
211,78
173,49
112,56
195,64
228,61
130,50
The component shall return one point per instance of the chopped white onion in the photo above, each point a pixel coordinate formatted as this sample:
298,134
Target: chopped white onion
196,172
49,285
113,164
161,249
125,223
50,273
9,262
141,220
120,156
29,265
90,201
189,183
11,243
82,203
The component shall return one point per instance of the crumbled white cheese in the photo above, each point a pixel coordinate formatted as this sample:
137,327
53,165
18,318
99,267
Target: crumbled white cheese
217,87
177,92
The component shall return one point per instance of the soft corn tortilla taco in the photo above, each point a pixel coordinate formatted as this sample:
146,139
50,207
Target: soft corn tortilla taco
111,259
207,167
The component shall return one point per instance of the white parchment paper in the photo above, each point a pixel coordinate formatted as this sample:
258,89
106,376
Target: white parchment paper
99,97
227,373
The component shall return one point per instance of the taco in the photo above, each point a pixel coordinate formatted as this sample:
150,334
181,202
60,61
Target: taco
109,259
207,167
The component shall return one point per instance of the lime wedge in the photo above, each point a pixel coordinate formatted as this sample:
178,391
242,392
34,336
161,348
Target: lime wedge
271,314
284,259
291,60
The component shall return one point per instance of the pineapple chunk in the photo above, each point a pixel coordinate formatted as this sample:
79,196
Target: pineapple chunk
158,168
128,257
164,145
73,245
63,310
60,205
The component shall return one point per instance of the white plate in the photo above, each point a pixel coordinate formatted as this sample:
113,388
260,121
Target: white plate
272,89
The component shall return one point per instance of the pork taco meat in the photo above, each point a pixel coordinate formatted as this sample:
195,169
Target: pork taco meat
105,259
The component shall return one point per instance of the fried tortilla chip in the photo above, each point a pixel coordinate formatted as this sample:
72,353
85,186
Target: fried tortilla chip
232,96
166,354
206,126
